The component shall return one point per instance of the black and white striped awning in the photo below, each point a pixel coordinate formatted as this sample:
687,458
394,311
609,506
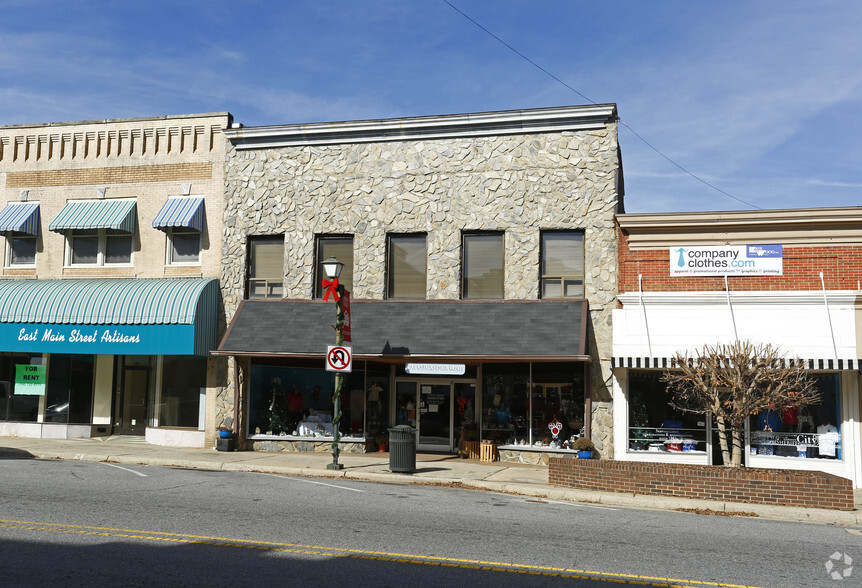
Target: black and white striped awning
659,363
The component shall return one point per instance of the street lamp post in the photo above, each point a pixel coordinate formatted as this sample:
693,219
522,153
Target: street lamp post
332,268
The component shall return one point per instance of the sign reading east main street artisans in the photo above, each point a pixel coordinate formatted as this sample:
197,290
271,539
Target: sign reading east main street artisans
29,380
727,260
98,339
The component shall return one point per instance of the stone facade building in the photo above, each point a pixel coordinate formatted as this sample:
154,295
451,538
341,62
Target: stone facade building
480,252
111,236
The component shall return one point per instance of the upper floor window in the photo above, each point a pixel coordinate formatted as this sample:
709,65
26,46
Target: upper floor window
562,264
406,267
98,232
185,246
21,250
482,265
183,219
339,247
98,247
19,221
266,267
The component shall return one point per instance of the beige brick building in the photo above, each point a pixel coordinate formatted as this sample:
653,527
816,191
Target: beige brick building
96,215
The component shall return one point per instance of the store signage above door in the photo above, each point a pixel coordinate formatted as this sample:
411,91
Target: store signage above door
437,369
727,260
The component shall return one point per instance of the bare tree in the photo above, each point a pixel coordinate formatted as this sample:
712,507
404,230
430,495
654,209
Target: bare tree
733,382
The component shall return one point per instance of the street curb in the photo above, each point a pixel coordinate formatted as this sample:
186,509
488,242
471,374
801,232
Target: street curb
606,499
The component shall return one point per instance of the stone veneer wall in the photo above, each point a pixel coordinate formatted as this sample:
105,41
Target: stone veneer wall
520,184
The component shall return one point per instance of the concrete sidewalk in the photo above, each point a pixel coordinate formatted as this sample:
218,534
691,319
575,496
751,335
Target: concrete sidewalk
431,469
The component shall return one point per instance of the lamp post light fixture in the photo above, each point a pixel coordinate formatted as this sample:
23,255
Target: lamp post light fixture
332,268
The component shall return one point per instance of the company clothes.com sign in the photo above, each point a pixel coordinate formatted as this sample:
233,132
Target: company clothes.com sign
727,260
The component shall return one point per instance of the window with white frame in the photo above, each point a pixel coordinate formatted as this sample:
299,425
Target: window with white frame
184,246
20,249
98,247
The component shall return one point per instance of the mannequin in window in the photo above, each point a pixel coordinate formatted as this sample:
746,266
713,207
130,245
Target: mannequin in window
826,427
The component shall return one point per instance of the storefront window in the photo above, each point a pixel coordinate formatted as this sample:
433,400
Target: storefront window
377,401
810,432
656,427
298,401
557,397
504,401
178,404
17,407
70,389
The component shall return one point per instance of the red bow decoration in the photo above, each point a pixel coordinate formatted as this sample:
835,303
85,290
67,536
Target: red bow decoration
331,288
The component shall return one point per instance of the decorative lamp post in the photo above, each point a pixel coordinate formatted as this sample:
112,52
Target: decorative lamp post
332,268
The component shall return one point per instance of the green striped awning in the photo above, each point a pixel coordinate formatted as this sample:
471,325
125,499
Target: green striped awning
159,316
159,301
119,215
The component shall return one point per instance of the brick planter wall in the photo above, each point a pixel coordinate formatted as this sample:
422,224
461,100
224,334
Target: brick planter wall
763,486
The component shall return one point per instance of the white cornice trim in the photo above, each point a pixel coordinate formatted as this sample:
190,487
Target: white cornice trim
802,226
801,298
567,118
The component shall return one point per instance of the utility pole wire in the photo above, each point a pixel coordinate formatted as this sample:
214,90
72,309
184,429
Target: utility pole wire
549,74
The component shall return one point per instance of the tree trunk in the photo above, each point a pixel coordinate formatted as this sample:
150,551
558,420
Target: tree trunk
736,460
722,440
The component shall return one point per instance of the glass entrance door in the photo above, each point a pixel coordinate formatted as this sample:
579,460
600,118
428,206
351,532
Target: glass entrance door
428,407
435,416
132,401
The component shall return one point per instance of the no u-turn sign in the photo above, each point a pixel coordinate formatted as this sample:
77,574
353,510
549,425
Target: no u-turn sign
339,358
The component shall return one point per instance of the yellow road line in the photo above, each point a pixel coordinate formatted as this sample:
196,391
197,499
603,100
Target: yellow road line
364,554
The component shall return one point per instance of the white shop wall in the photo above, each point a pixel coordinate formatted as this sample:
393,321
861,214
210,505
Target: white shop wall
662,324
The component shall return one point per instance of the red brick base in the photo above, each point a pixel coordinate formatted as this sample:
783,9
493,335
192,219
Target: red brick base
779,487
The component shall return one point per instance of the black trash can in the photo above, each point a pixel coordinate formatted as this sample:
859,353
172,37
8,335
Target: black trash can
402,449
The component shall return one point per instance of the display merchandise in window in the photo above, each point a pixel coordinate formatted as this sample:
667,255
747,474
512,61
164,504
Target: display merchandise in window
286,401
539,405
811,432
504,403
656,427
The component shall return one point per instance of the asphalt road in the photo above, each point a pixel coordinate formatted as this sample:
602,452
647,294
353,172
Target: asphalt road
67,523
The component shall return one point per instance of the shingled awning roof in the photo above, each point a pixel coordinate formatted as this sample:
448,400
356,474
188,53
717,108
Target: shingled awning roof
536,330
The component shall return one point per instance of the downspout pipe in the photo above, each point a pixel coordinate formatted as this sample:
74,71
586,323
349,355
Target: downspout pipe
829,318
730,309
643,312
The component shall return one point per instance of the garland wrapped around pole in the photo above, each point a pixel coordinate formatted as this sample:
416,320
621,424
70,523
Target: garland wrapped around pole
338,294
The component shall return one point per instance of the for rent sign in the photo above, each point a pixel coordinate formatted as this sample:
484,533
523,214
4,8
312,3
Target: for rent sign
727,260
29,380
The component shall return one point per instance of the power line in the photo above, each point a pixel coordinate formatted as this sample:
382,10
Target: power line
551,75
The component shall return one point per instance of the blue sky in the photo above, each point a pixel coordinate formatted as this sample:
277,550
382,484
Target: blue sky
761,99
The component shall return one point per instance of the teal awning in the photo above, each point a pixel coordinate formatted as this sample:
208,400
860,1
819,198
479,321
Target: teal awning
181,212
118,215
149,316
20,217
